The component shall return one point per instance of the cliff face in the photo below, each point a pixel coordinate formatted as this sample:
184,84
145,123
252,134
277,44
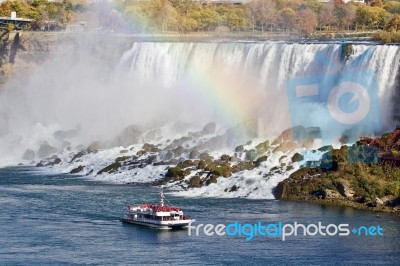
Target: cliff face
22,52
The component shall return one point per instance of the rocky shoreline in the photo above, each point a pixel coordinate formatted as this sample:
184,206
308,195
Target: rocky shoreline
363,176
358,176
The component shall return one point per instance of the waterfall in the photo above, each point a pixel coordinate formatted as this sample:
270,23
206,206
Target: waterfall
253,76
225,82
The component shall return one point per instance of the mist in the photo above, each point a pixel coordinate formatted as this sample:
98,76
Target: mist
99,84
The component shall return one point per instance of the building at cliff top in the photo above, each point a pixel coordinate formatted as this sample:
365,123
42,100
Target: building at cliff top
18,23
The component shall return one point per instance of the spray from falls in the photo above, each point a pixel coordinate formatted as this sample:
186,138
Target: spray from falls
156,83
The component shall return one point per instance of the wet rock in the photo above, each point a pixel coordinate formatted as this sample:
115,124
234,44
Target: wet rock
167,155
195,181
40,164
242,166
141,153
29,155
233,188
194,154
110,169
150,148
239,148
178,151
209,129
77,169
260,160
223,169
46,150
234,159
297,157
251,155
298,133
201,165
173,161
212,180
56,161
262,147
206,157
94,147
174,172
123,151
225,157
78,155
185,164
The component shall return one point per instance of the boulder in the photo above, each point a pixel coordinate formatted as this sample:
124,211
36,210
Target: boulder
194,154
251,155
174,172
297,157
178,151
234,188
225,157
378,201
94,147
344,188
46,150
331,194
185,164
110,169
239,148
195,181
150,148
262,147
260,160
77,169
78,155
212,179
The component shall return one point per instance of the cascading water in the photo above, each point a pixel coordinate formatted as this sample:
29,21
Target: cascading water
240,80
167,82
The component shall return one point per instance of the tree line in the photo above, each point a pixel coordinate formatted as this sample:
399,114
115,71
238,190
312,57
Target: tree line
303,17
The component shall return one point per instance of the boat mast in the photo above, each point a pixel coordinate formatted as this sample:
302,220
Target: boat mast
161,198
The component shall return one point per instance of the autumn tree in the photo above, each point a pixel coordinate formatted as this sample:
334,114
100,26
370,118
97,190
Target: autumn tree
287,18
394,24
370,17
305,22
326,15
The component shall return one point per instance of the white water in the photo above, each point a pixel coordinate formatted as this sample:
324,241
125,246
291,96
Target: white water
159,83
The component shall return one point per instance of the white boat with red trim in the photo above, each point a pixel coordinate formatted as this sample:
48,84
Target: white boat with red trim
157,215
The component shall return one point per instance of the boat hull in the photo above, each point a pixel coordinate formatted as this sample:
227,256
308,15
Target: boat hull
156,225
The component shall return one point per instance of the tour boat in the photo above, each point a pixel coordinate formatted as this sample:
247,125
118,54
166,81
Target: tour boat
157,215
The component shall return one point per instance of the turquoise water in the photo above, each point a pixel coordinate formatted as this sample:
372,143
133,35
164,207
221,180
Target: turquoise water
59,219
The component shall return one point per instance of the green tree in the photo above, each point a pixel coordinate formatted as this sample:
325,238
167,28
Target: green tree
394,24
370,17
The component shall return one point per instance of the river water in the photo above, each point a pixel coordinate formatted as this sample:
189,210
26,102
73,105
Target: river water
63,220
